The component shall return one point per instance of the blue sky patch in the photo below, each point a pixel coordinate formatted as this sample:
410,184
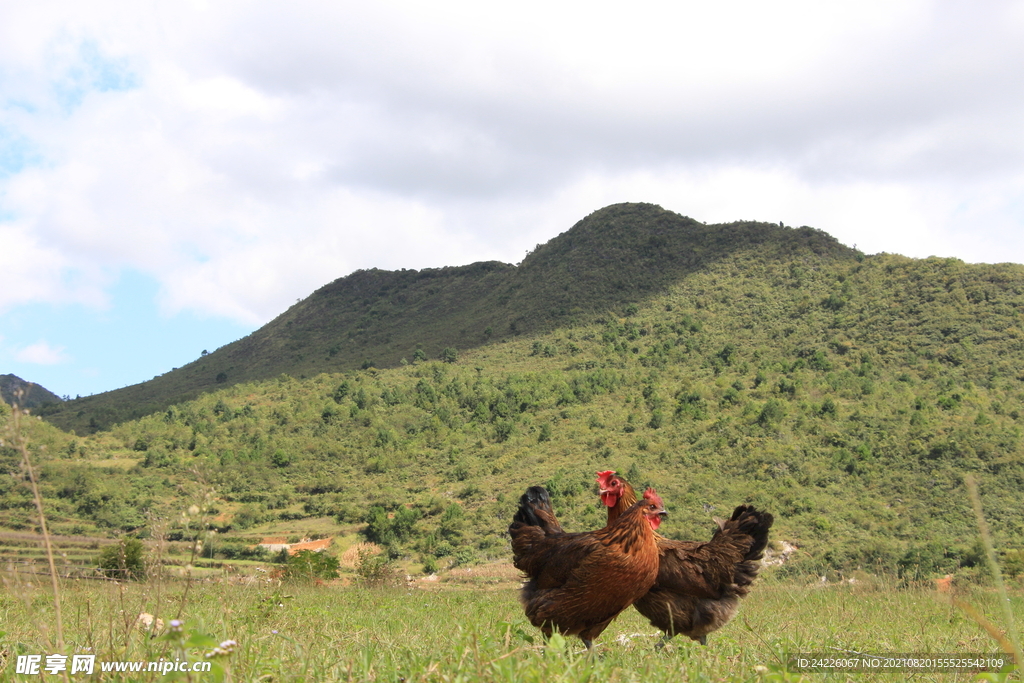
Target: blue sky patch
128,343
16,152
93,72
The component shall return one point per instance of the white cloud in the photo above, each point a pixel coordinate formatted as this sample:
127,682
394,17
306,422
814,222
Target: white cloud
41,353
245,153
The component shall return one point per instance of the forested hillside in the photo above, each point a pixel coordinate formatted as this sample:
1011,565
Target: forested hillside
847,394
614,258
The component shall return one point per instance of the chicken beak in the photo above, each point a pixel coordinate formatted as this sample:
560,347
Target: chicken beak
656,520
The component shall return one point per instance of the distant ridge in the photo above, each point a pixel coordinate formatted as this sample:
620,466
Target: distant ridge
616,256
32,396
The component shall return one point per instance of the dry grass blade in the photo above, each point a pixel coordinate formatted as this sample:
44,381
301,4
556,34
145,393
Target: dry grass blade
20,443
1011,643
979,618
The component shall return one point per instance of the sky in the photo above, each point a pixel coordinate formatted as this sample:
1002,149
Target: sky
173,175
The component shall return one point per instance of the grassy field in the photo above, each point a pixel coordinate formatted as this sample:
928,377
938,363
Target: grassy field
471,628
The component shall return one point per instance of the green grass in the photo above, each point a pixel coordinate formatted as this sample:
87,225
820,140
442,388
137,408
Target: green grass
304,633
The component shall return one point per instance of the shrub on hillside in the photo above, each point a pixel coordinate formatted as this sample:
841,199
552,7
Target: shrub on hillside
124,560
1013,563
307,565
375,570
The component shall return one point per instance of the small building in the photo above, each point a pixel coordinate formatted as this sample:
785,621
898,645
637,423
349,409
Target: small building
315,546
276,544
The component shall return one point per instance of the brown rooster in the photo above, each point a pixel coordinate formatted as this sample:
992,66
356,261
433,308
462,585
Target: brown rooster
699,584
578,583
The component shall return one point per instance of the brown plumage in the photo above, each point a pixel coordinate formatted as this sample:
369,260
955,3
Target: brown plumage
699,585
578,583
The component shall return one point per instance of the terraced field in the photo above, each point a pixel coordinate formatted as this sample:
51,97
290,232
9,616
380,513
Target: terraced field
74,556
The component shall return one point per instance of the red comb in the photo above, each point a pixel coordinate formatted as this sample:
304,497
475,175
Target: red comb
652,495
603,477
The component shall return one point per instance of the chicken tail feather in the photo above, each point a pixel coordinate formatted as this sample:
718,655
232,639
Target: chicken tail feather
535,510
748,520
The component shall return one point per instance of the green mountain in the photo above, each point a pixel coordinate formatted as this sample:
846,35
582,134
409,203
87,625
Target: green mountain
14,389
615,257
847,394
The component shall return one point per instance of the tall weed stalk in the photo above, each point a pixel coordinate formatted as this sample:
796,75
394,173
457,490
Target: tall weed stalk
199,509
21,445
1012,639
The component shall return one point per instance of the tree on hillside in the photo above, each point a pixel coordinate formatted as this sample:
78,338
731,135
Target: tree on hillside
124,560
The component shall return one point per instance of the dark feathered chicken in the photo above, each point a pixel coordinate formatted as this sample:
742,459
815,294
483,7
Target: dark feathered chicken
699,585
578,583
